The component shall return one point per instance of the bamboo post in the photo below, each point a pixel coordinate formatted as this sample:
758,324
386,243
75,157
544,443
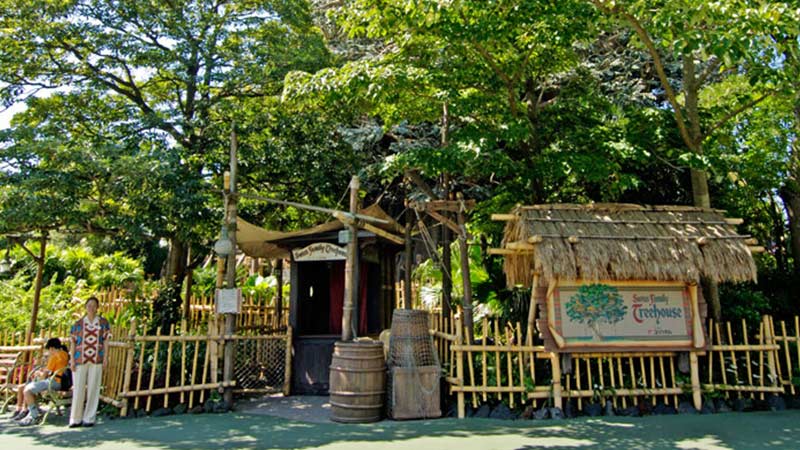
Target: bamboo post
786,354
770,340
183,360
153,370
196,348
484,357
497,357
460,366
169,362
139,374
129,355
351,269
230,269
556,362
734,364
408,253
471,372
465,274
761,358
697,394
287,377
747,354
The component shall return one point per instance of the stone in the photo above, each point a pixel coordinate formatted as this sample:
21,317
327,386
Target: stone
179,409
570,410
742,404
664,410
502,412
141,413
527,413
721,406
685,407
542,414
708,408
645,408
452,411
197,410
631,411
161,412
482,412
776,403
593,410
556,414
609,409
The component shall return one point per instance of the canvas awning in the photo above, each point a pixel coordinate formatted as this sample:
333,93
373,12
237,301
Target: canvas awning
258,242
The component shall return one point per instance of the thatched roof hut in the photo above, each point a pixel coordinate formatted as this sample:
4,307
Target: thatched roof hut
623,242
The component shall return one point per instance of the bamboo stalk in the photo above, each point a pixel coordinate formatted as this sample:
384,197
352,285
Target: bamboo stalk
723,368
747,354
153,370
484,360
497,356
510,370
520,361
196,347
471,371
786,354
577,363
175,389
183,360
169,364
663,378
206,364
733,356
761,359
139,373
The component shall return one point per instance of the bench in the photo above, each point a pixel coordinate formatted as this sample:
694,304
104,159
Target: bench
55,399
11,372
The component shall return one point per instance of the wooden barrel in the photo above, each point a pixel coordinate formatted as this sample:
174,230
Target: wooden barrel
358,382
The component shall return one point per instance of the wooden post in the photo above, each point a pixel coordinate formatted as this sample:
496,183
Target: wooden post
349,328
769,339
126,380
532,309
409,256
187,301
447,265
230,273
697,392
465,275
279,292
459,355
555,361
287,370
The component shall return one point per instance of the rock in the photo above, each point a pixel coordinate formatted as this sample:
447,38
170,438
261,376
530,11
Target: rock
542,414
179,409
197,410
452,411
645,408
776,403
708,408
141,413
609,409
570,411
664,410
686,408
721,406
502,412
208,406
593,410
482,412
631,411
527,413
556,414
161,412
742,404
220,407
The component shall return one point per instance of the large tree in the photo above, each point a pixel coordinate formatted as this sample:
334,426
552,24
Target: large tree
179,69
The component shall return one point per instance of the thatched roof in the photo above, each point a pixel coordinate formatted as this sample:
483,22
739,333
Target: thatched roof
624,242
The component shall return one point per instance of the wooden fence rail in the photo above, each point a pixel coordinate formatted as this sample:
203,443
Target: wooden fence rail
506,364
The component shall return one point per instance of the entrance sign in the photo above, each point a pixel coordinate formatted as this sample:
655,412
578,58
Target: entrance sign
615,315
320,251
228,301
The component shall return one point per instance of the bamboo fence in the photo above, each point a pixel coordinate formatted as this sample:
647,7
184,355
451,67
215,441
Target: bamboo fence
505,364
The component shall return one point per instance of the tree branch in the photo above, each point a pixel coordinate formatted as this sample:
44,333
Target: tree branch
738,111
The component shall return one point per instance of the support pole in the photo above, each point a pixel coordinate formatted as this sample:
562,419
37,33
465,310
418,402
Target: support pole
697,390
466,280
37,289
230,273
409,255
351,269
279,292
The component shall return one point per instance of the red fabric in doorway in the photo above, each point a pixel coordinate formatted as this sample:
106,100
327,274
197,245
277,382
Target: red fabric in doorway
337,297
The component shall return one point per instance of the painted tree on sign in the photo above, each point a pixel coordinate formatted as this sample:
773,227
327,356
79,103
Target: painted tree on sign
595,304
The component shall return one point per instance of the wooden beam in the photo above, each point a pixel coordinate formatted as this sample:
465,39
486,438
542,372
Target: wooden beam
504,217
535,239
756,248
447,222
508,251
520,246
384,234
414,177
451,205
734,221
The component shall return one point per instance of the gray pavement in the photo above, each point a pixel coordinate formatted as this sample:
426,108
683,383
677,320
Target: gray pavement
251,428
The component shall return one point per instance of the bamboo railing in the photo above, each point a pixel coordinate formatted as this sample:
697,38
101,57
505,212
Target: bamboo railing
506,364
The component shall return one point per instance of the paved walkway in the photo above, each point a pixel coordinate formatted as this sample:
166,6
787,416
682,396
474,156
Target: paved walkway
247,429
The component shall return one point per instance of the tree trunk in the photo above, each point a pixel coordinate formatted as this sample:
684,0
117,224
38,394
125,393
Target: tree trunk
37,288
175,265
791,200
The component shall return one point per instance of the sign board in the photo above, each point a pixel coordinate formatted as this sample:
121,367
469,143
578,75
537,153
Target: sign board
611,315
320,251
228,301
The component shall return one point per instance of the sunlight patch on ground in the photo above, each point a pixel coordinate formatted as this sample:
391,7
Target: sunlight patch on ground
611,424
489,442
703,443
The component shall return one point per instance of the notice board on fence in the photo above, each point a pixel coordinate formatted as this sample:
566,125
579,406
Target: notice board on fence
623,315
